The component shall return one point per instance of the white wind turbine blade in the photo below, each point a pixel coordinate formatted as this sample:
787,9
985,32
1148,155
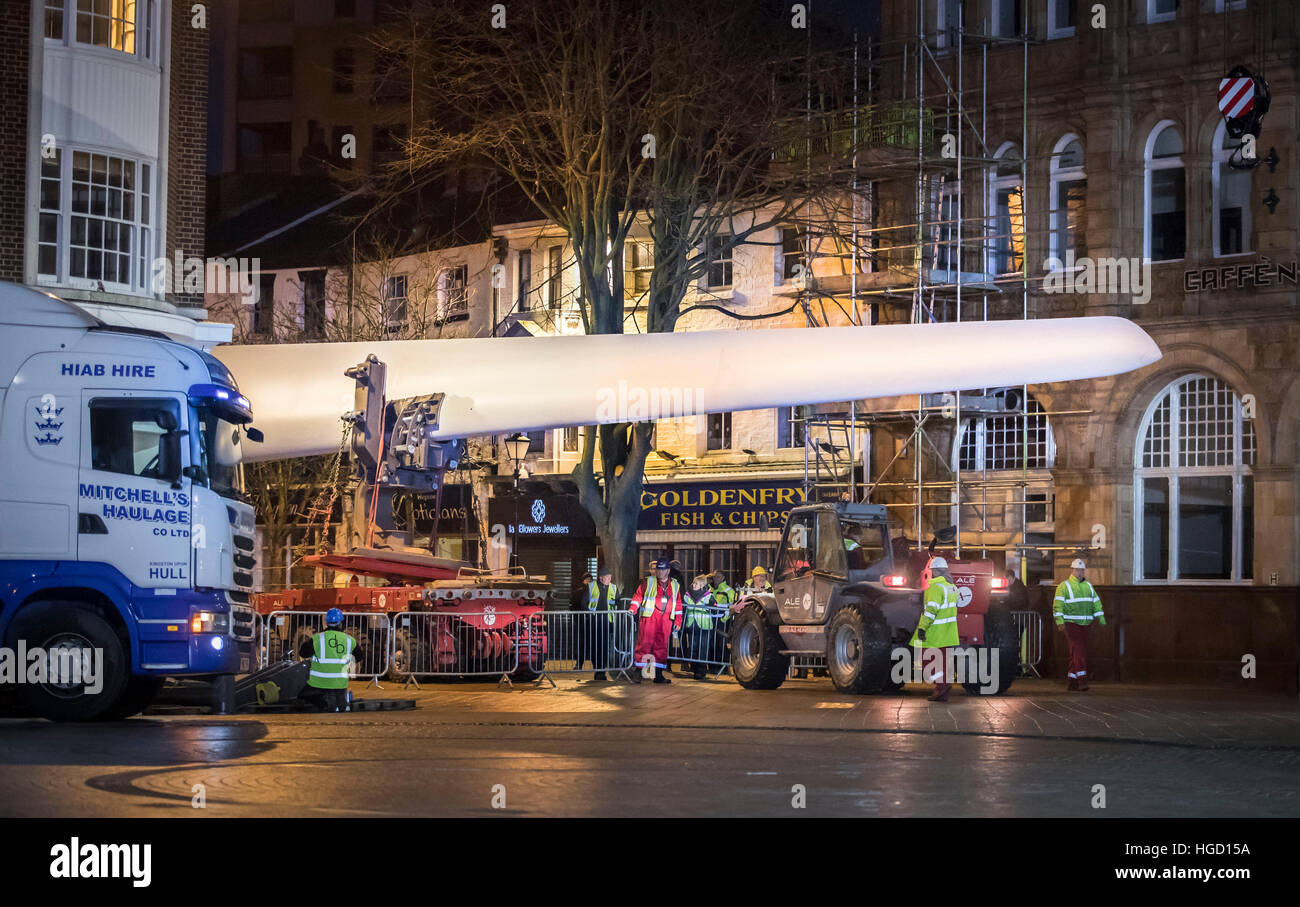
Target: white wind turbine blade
495,385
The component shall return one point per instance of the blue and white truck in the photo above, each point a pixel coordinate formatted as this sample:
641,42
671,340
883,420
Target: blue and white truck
124,528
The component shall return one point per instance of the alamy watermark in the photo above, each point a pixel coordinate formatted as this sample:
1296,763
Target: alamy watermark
636,403
61,666
955,664
191,274
1117,276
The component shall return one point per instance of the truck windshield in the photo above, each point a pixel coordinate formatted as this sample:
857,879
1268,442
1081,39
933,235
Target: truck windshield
220,452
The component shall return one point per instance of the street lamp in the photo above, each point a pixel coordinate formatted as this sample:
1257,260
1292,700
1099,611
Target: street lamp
516,449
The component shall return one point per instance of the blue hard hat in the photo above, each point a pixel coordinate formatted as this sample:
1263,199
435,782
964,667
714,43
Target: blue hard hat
663,564
333,617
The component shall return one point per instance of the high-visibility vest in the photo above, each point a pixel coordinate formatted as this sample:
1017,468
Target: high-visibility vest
699,612
939,617
724,594
1077,602
331,652
649,593
611,598
849,544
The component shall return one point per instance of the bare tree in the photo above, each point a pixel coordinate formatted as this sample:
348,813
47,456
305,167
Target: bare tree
674,117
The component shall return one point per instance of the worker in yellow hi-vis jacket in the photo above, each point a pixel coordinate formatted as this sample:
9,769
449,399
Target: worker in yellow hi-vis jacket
1075,607
937,628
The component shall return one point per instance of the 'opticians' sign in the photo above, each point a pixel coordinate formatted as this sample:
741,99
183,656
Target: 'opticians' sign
717,505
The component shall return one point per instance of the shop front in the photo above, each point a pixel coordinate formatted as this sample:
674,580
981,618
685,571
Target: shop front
545,530
716,524
453,518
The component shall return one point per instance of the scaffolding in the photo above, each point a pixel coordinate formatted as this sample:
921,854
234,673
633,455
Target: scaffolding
921,113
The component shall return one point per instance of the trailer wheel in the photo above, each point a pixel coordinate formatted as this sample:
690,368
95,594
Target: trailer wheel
404,643
1004,648
857,651
756,659
56,625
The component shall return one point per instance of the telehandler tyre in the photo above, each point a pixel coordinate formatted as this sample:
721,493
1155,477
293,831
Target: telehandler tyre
756,658
1004,650
857,651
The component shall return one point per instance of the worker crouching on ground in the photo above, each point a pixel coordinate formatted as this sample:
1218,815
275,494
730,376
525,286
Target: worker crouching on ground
1075,607
937,628
658,604
600,601
330,652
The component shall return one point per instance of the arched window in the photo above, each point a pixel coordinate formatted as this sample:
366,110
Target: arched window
1231,197
1068,194
1006,214
998,442
1193,494
1166,194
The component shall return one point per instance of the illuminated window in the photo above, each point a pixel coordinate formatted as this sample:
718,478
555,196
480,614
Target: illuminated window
1069,189
1193,492
1007,216
107,23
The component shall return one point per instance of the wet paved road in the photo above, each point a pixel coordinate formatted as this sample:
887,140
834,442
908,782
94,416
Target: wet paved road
707,749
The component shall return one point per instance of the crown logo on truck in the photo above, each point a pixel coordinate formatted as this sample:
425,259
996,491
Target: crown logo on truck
47,438
48,425
49,410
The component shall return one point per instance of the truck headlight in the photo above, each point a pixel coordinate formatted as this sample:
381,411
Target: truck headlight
209,622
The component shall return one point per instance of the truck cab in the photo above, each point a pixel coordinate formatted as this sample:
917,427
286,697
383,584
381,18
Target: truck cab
124,530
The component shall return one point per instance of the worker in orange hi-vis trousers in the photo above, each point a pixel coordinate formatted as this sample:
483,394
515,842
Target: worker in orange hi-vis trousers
658,604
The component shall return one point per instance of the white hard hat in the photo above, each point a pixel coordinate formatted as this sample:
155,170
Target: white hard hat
938,563
1078,564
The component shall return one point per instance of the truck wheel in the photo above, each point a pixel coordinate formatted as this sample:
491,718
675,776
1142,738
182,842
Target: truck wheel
140,692
1003,647
756,658
404,642
55,625
857,651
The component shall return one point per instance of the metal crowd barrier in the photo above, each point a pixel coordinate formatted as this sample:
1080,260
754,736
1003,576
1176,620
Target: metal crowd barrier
703,639
596,641
259,643
284,632
1029,629
462,644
